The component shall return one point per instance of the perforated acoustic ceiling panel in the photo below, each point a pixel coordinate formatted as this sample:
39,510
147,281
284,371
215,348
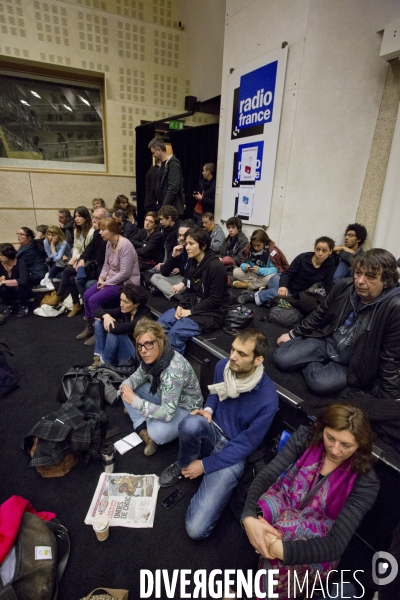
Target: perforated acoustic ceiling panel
51,23
166,49
131,41
130,8
165,90
93,32
11,18
132,85
162,14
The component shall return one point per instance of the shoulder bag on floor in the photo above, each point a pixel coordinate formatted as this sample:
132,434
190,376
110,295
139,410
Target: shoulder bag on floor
79,381
34,566
236,318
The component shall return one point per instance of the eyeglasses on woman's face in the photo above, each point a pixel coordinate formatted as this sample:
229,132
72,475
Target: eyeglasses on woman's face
147,345
21,234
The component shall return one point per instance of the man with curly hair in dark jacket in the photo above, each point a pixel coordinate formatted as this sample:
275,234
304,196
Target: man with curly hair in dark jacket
352,340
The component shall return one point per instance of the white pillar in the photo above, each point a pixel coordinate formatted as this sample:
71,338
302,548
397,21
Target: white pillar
387,231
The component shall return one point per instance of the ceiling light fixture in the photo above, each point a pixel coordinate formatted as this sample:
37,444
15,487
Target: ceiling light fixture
85,101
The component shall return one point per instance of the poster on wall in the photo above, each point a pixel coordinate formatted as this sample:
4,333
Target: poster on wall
254,112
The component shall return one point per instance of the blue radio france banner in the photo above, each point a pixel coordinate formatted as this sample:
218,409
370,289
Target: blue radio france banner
253,118
256,96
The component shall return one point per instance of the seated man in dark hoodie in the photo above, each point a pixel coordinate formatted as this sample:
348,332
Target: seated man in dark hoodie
205,298
169,226
169,280
352,340
231,254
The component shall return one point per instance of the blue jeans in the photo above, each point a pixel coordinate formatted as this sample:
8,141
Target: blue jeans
342,270
84,284
322,375
264,296
159,431
178,331
55,271
110,347
199,438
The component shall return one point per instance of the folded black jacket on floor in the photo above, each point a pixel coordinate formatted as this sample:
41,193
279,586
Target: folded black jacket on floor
74,427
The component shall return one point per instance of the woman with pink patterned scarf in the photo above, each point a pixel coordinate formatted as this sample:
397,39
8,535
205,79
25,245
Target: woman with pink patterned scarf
304,507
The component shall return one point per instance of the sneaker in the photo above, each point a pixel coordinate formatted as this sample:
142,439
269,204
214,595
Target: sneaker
249,297
243,285
49,285
22,311
155,291
171,475
8,311
44,281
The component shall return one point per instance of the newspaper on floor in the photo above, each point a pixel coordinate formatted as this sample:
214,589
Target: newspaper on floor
127,500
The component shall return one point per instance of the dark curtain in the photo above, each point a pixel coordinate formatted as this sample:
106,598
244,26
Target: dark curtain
194,147
144,134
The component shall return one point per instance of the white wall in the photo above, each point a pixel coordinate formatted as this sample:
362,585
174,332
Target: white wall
204,27
333,90
387,226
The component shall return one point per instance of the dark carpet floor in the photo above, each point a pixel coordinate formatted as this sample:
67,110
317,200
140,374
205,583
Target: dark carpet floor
44,350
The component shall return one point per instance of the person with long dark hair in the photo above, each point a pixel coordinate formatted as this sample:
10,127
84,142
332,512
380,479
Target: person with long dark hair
83,234
307,269
14,282
122,203
29,252
261,261
204,301
114,327
303,508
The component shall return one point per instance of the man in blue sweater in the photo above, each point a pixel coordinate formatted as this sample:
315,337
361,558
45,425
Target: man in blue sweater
215,441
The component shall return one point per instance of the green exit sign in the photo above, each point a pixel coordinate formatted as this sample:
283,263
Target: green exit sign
176,124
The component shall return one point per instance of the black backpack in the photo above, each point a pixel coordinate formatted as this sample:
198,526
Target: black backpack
8,381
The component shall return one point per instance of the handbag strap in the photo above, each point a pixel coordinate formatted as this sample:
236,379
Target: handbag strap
312,492
75,377
63,550
119,594
6,349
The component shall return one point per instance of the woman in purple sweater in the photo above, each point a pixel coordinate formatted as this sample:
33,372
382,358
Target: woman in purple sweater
120,266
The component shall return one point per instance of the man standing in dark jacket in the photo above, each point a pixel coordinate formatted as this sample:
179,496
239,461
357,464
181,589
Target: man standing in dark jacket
169,185
352,340
205,196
